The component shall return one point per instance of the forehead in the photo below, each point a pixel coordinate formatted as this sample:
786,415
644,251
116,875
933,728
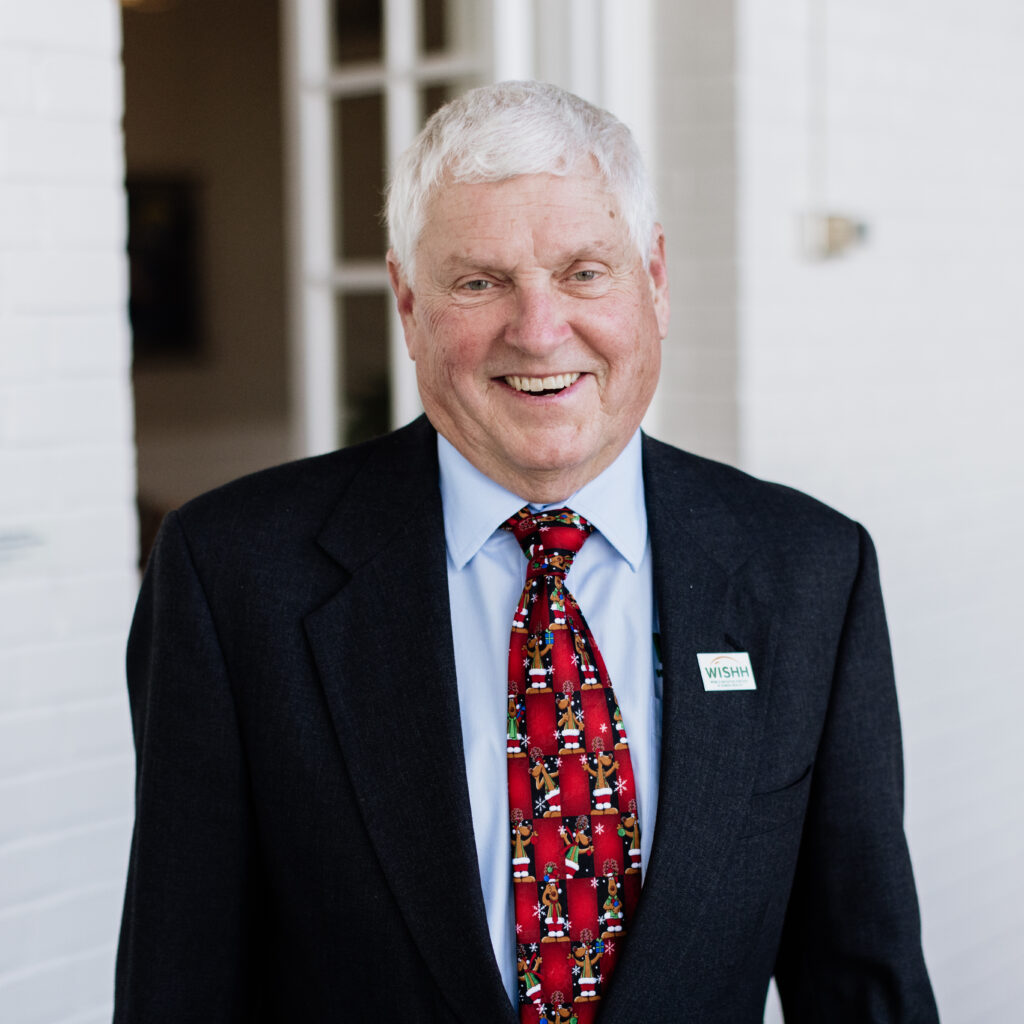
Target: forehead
543,213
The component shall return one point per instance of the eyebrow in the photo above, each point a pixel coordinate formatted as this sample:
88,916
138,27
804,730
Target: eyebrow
596,250
460,263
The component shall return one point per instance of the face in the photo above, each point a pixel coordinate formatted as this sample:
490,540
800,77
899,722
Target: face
535,328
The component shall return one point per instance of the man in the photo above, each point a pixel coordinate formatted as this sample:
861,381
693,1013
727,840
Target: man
327,801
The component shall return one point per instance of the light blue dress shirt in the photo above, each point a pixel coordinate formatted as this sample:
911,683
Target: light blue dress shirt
611,580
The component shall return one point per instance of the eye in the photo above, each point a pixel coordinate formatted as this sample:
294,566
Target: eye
478,284
585,275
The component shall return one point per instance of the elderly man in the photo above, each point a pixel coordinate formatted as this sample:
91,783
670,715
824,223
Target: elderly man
698,783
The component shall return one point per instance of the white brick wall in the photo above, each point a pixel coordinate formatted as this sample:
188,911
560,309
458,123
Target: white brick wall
67,519
887,383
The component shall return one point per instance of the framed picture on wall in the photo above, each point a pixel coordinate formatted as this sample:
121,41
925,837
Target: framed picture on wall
163,255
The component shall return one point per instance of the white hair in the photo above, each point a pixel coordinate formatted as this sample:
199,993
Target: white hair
501,131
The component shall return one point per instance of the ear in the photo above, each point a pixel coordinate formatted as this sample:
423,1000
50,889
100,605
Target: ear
658,273
404,300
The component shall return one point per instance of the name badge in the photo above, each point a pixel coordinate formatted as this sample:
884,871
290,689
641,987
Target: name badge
727,671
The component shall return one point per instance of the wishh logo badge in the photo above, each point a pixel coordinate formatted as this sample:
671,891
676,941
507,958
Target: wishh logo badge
727,671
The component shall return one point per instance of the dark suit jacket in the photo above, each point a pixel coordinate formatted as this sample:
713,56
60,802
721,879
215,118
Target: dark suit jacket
303,849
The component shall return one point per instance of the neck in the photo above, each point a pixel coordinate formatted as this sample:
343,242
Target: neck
543,487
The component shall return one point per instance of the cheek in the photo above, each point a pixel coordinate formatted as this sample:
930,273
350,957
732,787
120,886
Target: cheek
630,349
430,341
443,364
646,371
458,343
436,318
650,359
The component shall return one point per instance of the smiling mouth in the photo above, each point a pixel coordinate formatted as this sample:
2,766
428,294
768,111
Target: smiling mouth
543,385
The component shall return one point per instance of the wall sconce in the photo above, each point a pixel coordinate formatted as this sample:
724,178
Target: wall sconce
824,235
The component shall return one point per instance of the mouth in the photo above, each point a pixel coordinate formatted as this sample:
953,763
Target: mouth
543,385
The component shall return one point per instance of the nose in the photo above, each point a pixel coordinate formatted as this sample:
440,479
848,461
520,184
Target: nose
539,323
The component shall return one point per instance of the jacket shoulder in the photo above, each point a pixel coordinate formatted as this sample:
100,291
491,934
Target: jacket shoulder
746,513
682,470
301,494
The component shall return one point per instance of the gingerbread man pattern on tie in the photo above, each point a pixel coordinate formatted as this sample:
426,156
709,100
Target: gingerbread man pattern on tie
573,823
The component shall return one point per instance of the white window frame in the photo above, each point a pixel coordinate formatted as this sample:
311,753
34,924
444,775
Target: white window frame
601,49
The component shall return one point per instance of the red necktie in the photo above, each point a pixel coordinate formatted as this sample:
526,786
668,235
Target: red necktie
572,799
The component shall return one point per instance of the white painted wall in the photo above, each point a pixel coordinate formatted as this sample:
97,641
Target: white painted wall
695,178
885,382
67,520
888,383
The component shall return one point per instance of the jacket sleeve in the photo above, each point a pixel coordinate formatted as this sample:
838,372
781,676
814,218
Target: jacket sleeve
188,932
851,944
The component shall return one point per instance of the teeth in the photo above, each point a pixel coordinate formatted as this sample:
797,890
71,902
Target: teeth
558,382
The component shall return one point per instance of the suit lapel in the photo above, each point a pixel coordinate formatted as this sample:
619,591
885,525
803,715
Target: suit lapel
383,649
710,741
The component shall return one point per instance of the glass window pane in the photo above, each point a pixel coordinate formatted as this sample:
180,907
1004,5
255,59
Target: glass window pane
434,96
365,387
357,31
359,186
434,25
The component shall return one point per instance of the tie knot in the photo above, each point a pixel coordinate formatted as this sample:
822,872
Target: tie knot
550,540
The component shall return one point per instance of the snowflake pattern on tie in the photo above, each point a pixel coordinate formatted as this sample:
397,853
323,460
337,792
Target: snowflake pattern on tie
574,827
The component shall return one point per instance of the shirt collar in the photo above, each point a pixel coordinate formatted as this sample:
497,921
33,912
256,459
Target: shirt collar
475,506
